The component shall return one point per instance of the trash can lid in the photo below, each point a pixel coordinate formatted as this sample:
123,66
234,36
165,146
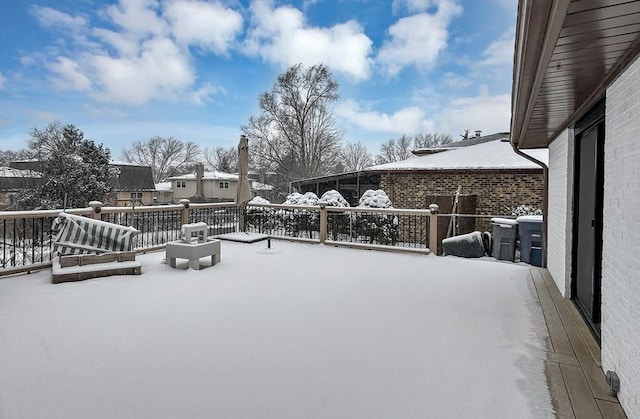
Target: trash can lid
504,222
529,219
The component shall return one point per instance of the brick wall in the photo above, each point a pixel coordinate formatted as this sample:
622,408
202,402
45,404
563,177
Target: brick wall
559,227
494,189
621,238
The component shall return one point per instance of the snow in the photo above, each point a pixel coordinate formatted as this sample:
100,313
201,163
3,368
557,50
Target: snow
163,186
9,172
243,237
490,155
215,175
504,222
258,186
258,200
277,333
308,199
375,199
334,198
530,219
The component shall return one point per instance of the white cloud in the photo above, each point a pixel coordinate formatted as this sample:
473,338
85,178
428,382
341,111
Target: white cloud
208,25
49,18
406,120
68,74
411,5
485,112
281,36
3,81
142,51
500,52
456,81
137,17
417,40
161,71
204,94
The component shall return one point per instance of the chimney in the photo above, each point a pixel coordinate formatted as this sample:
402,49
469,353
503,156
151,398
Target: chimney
478,133
199,176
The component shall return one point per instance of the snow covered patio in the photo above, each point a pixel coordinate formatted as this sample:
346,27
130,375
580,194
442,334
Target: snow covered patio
297,331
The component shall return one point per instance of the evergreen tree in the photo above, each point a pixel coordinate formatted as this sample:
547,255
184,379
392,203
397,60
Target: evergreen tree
74,170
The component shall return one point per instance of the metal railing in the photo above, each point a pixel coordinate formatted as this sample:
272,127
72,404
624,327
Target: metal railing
27,235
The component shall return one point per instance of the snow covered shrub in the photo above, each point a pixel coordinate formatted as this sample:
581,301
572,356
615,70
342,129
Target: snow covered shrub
293,221
378,228
337,222
375,199
257,218
258,200
524,210
334,198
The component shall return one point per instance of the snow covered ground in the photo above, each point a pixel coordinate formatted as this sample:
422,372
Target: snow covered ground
298,331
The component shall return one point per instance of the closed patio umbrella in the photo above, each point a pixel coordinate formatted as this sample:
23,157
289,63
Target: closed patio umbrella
243,193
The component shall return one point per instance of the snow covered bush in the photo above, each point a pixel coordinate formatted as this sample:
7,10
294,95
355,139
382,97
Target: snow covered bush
334,198
524,210
374,199
378,228
257,218
258,200
337,222
308,199
294,221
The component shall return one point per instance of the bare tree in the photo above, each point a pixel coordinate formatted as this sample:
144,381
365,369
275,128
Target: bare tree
222,159
166,156
421,140
295,135
400,148
355,156
395,150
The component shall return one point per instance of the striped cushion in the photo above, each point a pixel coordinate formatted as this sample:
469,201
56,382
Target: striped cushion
81,235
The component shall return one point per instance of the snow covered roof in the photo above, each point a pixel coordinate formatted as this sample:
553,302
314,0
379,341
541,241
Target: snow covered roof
258,186
495,154
163,186
10,172
124,163
215,175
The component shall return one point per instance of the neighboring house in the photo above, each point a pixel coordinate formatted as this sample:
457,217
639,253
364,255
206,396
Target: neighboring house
576,89
134,186
213,186
13,181
491,177
485,170
351,185
164,193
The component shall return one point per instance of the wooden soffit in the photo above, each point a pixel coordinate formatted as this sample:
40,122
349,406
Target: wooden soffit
566,54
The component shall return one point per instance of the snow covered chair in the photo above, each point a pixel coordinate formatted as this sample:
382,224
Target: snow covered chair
85,248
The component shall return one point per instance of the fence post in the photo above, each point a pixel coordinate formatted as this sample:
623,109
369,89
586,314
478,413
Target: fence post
185,211
433,228
97,208
323,221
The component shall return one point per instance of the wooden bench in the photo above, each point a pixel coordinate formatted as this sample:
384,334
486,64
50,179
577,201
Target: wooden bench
86,248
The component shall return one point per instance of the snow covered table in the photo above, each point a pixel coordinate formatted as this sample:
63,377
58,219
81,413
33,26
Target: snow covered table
193,252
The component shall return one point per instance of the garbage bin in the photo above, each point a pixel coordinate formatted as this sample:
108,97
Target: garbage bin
530,228
505,233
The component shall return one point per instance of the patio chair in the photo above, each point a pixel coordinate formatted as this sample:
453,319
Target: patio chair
85,248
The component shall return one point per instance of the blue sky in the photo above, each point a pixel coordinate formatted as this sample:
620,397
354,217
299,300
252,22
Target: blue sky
127,70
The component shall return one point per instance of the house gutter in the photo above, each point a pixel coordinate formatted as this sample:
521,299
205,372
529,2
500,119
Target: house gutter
545,197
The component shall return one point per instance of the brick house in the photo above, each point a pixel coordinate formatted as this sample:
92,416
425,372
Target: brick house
485,171
575,90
